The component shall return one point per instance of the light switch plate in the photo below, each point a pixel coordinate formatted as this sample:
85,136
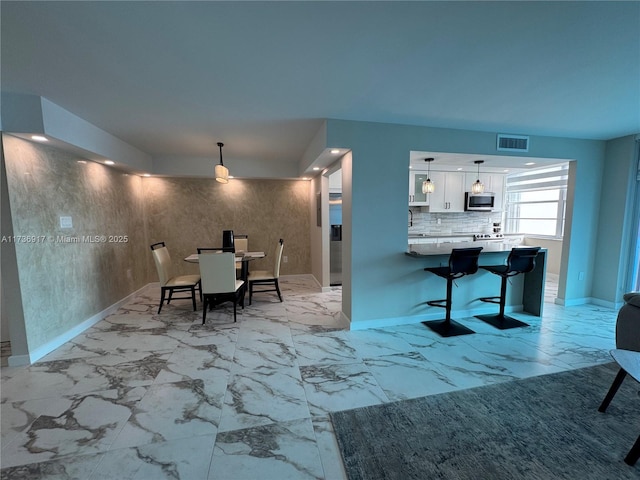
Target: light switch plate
66,222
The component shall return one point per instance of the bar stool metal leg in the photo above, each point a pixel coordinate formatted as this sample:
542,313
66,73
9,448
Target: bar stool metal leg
446,327
500,320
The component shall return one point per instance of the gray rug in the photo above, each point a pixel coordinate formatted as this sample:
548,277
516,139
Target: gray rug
544,427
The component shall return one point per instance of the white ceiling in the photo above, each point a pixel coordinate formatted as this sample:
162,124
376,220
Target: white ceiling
174,78
490,163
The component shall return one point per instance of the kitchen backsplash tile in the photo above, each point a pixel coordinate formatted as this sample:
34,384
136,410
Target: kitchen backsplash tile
451,223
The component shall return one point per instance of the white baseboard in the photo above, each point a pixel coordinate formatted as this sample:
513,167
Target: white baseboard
605,303
38,353
572,302
18,360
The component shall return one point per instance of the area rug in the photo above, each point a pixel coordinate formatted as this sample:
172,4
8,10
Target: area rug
545,427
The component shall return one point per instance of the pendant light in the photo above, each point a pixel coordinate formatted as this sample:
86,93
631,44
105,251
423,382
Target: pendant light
427,185
222,172
478,187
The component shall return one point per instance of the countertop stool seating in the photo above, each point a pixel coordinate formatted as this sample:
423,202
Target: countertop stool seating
520,260
267,277
169,282
462,261
219,283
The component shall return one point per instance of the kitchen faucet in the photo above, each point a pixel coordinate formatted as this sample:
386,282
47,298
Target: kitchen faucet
411,218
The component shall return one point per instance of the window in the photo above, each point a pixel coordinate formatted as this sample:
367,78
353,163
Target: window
536,201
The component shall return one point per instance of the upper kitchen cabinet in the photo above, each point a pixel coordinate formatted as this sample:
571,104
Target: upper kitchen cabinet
416,197
493,182
449,192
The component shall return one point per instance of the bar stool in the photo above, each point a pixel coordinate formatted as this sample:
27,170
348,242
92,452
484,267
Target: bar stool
520,260
462,261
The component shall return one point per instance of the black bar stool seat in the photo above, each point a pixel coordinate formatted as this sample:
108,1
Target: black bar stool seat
520,260
462,261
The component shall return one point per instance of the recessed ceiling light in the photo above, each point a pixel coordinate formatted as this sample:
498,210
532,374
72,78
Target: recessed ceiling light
335,151
39,138
506,170
109,162
316,168
459,168
231,176
530,163
146,174
305,178
82,162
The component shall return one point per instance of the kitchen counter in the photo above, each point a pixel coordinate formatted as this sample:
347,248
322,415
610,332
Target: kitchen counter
422,250
525,293
439,235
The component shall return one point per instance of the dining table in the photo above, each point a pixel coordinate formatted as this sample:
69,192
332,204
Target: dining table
243,257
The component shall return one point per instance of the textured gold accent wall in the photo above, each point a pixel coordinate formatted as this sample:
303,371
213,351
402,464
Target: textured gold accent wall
187,213
68,275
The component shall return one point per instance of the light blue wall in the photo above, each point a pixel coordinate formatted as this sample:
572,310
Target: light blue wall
389,287
615,222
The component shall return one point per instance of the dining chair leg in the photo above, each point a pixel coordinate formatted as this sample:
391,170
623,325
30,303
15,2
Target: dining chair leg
204,308
250,292
193,297
235,304
278,290
162,293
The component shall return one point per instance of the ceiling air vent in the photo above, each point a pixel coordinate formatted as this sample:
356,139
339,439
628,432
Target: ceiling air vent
513,143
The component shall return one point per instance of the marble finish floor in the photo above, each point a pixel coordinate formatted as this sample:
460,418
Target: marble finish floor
148,396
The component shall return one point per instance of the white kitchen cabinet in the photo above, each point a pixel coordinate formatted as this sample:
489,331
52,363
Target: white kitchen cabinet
416,197
449,192
493,182
497,187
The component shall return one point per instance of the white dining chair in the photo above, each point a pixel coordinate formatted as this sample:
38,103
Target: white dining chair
241,243
173,283
267,277
219,283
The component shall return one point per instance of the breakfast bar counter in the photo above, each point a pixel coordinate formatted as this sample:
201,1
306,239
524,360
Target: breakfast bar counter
526,291
428,249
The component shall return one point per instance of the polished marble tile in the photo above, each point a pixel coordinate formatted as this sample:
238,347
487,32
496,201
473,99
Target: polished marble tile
170,411
286,450
186,458
204,362
335,387
142,395
325,348
62,426
78,467
408,375
263,396
328,448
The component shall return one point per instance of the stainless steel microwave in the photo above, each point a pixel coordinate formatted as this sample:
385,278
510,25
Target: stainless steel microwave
479,202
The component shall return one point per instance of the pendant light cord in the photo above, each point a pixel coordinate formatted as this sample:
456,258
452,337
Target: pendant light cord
220,144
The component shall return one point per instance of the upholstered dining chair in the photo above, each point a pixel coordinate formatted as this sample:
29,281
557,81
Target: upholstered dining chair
241,243
173,283
267,277
219,283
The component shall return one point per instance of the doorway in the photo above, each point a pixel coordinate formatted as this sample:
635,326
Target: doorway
335,228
